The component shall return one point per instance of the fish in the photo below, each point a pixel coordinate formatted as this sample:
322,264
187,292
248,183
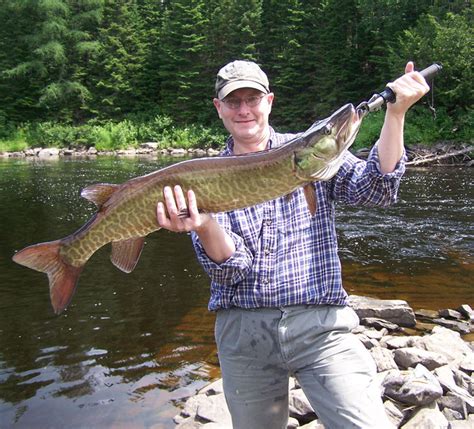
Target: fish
126,213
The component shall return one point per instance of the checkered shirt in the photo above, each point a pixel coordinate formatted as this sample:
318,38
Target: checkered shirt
284,256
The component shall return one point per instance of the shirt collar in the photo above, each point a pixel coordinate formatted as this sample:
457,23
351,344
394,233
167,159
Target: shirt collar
229,144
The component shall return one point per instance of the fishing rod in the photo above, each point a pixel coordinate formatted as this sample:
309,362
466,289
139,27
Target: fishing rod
388,96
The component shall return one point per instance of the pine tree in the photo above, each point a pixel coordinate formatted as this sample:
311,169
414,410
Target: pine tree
119,64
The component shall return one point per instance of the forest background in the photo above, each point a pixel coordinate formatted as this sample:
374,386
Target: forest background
114,74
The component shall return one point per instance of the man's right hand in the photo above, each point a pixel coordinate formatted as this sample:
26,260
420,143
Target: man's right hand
179,214
217,244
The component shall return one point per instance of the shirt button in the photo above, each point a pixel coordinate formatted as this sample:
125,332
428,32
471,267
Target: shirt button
268,222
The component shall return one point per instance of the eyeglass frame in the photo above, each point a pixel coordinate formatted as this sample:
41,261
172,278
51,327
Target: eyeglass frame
258,100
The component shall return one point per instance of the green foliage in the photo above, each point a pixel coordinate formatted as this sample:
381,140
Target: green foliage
147,67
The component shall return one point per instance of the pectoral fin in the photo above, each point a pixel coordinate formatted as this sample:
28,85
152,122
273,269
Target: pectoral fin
126,253
310,195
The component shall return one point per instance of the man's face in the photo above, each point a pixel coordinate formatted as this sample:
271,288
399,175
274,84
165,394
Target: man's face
248,125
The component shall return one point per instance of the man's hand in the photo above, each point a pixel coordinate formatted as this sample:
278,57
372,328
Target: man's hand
408,89
178,214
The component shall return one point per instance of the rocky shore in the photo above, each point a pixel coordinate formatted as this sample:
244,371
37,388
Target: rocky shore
425,371
442,154
145,149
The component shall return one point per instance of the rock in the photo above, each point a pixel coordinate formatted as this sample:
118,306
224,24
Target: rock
462,327
466,311
300,407
450,314
48,152
150,145
383,359
214,410
214,388
376,323
92,151
392,342
368,343
395,311
414,387
467,364
461,424
212,152
445,342
452,402
451,414
315,424
394,414
177,152
126,152
411,356
292,423
445,377
427,418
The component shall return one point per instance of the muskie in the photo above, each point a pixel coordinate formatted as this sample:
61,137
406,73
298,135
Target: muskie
127,213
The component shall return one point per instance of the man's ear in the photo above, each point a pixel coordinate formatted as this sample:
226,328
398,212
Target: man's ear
217,104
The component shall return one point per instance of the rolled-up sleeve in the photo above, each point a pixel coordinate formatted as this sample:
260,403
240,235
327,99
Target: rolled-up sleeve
234,269
360,182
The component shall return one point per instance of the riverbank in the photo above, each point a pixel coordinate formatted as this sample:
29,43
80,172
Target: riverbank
424,369
442,154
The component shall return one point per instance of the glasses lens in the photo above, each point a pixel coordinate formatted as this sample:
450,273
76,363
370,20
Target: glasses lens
234,103
253,100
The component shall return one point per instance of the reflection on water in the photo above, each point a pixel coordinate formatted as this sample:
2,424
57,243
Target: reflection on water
131,346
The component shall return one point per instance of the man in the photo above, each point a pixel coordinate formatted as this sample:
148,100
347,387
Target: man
275,274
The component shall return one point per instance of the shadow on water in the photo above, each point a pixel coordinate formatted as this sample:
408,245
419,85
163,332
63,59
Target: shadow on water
131,346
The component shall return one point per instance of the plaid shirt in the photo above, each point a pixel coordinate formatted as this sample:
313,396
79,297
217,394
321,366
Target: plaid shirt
284,256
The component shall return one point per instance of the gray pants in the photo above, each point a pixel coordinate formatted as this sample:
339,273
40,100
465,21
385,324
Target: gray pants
259,349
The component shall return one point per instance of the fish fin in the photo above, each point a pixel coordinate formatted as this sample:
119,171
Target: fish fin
310,195
45,257
99,193
126,253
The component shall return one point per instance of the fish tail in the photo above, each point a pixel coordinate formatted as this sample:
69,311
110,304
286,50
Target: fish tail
63,277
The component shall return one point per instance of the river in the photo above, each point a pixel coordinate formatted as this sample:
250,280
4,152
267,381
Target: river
131,346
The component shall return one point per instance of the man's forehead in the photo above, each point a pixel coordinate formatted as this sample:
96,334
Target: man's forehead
244,92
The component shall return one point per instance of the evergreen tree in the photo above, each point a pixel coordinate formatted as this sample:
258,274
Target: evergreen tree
119,65
184,87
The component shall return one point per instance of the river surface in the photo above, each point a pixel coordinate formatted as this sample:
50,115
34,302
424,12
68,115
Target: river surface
131,346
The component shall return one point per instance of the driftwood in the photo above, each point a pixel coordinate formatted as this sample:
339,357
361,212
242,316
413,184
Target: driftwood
426,159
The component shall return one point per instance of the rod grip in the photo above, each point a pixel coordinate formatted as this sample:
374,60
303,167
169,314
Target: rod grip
388,96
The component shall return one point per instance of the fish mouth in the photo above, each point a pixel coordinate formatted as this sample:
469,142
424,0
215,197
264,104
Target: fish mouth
348,130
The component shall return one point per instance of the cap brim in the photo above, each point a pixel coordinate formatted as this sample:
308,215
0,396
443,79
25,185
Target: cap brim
232,86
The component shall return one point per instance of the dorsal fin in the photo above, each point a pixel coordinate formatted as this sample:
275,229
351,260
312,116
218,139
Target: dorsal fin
99,193
310,195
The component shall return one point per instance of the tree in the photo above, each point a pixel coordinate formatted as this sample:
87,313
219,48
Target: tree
118,67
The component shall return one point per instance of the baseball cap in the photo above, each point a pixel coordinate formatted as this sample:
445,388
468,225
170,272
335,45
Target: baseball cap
240,74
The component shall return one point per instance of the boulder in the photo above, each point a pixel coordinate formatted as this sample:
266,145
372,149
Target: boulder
394,311
406,357
429,417
413,387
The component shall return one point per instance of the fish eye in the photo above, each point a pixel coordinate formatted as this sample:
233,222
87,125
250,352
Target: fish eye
328,129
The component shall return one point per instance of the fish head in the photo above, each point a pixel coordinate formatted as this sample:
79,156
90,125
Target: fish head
323,145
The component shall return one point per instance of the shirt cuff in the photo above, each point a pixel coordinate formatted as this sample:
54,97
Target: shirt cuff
373,165
231,271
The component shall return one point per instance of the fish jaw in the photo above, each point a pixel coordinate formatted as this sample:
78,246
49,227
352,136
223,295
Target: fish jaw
325,143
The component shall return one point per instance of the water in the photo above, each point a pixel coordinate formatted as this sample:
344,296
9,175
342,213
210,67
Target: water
131,346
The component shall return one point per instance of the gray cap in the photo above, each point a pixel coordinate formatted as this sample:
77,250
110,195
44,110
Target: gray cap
240,74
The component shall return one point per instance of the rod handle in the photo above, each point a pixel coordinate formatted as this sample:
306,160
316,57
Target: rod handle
428,73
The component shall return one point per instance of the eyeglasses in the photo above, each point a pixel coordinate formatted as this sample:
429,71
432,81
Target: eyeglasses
234,102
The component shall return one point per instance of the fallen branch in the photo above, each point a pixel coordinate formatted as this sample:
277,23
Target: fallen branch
439,157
